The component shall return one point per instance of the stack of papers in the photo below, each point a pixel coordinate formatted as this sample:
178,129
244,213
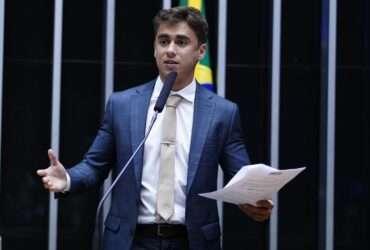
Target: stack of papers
253,183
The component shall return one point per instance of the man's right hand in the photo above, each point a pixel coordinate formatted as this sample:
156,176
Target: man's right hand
54,177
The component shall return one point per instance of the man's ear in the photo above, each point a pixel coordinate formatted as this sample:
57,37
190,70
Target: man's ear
202,51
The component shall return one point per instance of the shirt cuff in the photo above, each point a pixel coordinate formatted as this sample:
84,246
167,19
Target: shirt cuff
68,187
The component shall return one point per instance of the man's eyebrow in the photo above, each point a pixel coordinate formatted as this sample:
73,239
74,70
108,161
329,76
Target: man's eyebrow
183,37
163,36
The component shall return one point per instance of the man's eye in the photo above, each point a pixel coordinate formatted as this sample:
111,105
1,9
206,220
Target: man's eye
181,43
163,42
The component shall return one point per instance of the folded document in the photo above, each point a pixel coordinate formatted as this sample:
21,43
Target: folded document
253,183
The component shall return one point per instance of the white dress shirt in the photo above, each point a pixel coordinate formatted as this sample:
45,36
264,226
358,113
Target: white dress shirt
149,182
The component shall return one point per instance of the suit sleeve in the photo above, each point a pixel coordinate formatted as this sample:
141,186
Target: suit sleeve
234,153
95,166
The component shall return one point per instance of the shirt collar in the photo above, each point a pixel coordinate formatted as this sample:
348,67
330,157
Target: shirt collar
188,93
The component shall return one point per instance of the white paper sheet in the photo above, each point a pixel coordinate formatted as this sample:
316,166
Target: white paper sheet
253,183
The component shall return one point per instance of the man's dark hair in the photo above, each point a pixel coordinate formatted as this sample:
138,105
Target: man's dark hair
190,15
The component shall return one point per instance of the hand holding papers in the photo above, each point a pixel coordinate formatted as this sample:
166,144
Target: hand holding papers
253,183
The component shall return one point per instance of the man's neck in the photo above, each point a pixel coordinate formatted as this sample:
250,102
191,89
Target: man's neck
179,86
181,83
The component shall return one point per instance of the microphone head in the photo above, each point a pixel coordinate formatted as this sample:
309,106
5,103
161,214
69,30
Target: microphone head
165,92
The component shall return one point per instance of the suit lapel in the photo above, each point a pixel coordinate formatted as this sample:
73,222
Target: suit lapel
203,111
139,109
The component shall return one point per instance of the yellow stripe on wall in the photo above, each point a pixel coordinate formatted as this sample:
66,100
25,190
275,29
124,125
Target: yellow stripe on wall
195,3
203,74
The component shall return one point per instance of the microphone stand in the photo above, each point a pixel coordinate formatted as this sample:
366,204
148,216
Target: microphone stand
96,237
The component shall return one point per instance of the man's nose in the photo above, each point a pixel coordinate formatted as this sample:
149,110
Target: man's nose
171,49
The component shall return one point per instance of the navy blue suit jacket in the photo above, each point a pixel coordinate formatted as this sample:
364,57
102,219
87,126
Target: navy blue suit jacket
216,139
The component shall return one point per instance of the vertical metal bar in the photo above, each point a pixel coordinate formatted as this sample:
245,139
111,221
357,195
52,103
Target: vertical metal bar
221,79
327,130
55,121
221,47
323,126
330,146
275,113
2,19
166,4
108,79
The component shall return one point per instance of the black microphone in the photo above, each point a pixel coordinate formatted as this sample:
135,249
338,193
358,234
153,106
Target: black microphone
159,105
165,92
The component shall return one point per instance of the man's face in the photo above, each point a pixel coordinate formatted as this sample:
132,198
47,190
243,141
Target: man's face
176,48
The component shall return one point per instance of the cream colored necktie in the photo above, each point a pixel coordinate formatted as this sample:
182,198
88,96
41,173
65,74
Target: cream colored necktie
166,181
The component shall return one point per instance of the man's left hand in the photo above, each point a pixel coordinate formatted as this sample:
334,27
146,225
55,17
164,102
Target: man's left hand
260,212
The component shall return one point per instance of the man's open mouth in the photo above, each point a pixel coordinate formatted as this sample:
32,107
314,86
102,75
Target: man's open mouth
170,62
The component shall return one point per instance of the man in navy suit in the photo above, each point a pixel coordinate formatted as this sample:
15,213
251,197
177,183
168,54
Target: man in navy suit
208,133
